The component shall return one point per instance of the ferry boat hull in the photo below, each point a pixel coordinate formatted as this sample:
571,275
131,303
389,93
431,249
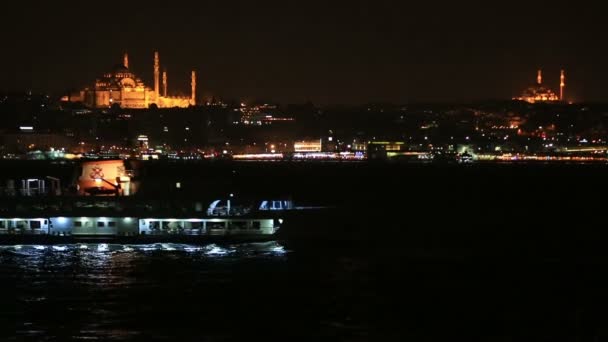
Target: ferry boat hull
60,229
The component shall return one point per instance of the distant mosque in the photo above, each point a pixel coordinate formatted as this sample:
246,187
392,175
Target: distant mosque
538,93
122,87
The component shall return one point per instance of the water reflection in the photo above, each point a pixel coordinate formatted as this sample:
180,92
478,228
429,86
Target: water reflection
97,261
89,291
210,250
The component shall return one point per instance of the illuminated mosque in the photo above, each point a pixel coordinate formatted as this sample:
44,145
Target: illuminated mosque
124,88
538,93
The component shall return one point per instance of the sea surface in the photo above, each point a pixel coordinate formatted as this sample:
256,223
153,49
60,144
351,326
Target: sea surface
265,291
411,253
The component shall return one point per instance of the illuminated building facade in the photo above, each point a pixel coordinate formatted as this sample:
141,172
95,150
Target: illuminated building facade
265,114
308,146
382,149
122,87
539,93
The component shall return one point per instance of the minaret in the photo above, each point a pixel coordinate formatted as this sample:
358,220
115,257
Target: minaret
126,60
165,83
156,75
562,85
539,78
193,84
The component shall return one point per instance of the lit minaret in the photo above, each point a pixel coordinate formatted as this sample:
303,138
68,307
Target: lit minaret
165,83
193,84
126,60
539,78
562,85
156,74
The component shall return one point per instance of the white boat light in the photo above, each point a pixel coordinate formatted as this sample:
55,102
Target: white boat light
217,251
167,247
279,249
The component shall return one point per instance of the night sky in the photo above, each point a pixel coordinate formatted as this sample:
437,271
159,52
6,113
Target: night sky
327,52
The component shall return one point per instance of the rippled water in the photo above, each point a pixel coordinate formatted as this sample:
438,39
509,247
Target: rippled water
265,291
169,292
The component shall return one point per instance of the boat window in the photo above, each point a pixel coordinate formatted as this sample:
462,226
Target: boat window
166,225
154,225
2,225
256,225
77,224
101,224
111,224
238,225
216,225
35,225
196,225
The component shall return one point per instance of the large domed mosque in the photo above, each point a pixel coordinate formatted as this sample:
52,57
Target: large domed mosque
539,93
122,87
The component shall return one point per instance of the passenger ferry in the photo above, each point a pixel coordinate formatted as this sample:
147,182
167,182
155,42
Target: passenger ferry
134,229
101,203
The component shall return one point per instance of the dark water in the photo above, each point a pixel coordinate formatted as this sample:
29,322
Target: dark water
492,253
178,292
266,291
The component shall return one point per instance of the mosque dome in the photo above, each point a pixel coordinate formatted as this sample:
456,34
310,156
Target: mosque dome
120,71
120,86
538,93
119,77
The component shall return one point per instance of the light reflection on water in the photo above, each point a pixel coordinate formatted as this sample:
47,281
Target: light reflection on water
118,292
98,261
210,250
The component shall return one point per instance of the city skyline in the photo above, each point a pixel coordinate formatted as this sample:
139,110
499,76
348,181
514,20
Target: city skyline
76,95
338,53
344,170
